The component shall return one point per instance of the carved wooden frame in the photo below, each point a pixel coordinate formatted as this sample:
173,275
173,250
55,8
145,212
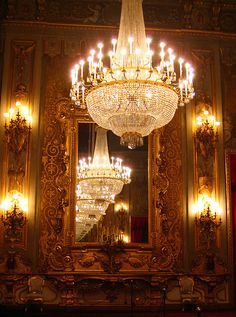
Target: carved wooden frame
79,116
58,201
57,250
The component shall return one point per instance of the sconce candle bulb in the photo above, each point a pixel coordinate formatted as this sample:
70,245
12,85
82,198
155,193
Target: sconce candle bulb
14,209
207,217
18,113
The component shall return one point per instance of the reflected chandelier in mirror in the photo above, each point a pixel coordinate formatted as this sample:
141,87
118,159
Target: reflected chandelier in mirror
99,181
106,208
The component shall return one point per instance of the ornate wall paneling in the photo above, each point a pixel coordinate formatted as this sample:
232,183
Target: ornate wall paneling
230,163
106,272
1,57
58,251
228,60
16,156
204,15
208,256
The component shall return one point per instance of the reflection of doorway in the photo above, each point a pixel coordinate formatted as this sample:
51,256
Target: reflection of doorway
139,229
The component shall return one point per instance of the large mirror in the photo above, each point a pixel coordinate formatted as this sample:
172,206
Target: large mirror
127,217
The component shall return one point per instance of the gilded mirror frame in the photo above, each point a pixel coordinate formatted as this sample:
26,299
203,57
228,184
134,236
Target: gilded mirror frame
58,250
81,116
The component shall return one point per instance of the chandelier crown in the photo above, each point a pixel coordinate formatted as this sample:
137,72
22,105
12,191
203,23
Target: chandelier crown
132,96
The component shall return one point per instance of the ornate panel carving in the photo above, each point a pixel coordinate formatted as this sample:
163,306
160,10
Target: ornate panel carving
52,46
205,100
207,226
213,15
21,9
1,59
203,60
16,155
22,71
171,212
228,59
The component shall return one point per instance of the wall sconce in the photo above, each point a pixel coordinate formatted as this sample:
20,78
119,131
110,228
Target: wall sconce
17,138
121,213
19,114
121,207
207,219
206,133
14,209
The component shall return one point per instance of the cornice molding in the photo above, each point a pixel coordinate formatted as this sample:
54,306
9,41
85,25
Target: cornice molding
73,26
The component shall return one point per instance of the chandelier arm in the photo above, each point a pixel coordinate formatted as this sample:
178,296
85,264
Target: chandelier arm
124,74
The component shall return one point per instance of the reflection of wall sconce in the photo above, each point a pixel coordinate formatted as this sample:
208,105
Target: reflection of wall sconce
206,133
14,209
207,218
118,232
122,207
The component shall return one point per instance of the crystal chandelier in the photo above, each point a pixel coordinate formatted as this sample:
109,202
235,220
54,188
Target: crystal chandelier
132,96
99,178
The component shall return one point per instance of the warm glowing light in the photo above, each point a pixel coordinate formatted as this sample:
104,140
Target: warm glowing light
121,207
14,198
18,111
204,202
130,95
125,238
207,122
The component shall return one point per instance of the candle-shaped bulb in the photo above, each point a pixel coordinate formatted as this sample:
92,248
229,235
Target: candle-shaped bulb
148,41
123,53
114,41
162,45
82,68
92,52
187,66
181,66
131,40
73,76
